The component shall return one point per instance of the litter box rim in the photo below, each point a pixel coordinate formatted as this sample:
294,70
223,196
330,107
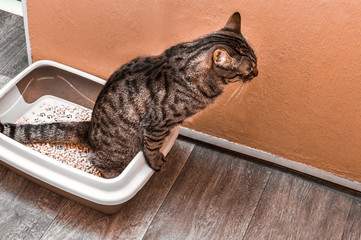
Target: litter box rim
95,189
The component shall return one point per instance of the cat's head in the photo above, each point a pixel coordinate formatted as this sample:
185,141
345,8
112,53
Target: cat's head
234,59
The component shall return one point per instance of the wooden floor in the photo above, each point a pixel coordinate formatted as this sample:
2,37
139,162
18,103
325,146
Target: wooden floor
203,193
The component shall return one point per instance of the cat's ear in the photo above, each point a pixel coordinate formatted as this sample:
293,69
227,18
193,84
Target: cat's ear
222,59
234,23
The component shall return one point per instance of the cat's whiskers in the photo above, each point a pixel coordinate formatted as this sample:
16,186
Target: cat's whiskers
239,88
240,94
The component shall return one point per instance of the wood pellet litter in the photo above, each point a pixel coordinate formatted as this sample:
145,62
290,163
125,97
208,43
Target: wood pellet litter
53,110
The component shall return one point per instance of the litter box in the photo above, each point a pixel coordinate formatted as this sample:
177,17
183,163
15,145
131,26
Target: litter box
45,81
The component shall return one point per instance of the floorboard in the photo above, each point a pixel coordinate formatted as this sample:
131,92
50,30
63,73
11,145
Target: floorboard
353,224
214,197
3,80
26,209
32,213
11,184
13,56
79,222
295,208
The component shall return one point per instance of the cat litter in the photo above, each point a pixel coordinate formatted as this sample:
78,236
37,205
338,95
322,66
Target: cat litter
47,111
47,91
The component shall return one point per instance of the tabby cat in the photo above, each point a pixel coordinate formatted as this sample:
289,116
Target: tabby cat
148,96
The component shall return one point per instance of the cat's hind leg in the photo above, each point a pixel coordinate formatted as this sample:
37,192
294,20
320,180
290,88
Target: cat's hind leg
105,163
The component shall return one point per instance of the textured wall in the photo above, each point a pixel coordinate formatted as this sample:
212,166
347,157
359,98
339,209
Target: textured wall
305,105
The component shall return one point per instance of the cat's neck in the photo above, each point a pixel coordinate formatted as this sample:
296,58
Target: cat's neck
202,76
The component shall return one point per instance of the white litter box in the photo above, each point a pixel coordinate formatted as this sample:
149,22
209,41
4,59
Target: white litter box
48,80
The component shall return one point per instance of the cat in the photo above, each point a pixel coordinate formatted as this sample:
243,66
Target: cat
148,96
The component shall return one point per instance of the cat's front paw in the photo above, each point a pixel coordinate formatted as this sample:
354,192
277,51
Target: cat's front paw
155,162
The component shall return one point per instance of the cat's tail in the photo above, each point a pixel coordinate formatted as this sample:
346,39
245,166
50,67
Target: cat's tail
58,132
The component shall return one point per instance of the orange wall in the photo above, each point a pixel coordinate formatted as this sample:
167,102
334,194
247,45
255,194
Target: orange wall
305,105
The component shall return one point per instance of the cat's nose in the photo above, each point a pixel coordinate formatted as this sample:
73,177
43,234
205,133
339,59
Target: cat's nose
255,71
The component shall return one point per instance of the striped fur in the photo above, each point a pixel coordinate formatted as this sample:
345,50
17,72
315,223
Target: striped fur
148,96
59,132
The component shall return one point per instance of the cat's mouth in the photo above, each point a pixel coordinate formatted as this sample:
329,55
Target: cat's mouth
251,75
240,77
248,78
